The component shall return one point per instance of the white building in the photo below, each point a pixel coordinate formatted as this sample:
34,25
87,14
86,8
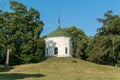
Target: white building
58,44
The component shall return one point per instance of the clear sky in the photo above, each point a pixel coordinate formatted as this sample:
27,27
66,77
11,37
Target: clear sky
80,13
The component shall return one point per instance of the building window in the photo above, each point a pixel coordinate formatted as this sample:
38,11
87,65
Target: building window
66,50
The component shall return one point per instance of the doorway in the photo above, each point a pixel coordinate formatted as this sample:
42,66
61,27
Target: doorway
55,51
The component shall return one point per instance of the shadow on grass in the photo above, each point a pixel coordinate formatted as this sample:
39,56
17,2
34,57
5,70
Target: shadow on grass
14,76
3,69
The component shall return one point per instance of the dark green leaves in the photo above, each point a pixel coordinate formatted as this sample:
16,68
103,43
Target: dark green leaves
20,31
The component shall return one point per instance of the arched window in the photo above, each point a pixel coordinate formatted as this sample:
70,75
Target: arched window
66,50
56,51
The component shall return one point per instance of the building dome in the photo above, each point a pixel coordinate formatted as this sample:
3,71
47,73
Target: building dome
58,33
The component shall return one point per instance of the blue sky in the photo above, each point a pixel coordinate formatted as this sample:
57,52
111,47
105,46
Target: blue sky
80,13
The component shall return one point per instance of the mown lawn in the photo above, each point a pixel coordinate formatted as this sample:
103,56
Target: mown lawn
62,69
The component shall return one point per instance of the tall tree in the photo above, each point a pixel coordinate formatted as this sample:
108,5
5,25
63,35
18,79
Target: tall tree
106,42
20,33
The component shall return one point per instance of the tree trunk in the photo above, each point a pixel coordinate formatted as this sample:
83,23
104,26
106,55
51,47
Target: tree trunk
7,58
115,59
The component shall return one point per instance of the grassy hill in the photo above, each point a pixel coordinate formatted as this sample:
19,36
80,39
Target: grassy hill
62,69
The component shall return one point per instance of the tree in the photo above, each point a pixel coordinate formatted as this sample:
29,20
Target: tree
20,33
79,41
106,42
111,24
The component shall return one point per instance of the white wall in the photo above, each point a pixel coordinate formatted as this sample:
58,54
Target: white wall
60,43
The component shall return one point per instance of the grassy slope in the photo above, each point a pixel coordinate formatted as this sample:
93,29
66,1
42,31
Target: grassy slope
62,69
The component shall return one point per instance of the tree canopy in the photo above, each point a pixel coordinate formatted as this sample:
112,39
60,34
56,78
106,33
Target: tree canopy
79,39
20,31
104,48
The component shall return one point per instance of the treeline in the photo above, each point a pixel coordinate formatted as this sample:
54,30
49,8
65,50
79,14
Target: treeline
104,47
20,40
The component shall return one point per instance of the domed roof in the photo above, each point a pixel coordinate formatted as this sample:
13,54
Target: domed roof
58,33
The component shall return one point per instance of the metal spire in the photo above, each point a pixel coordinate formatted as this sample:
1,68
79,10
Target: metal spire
59,26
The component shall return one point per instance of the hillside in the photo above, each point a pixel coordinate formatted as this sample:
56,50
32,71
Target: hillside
62,69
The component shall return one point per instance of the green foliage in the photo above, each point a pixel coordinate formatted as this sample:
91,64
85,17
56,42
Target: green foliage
20,31
99,52
79,41
111,24
104,47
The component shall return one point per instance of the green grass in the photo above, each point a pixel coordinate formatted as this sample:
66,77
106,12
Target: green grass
62,69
